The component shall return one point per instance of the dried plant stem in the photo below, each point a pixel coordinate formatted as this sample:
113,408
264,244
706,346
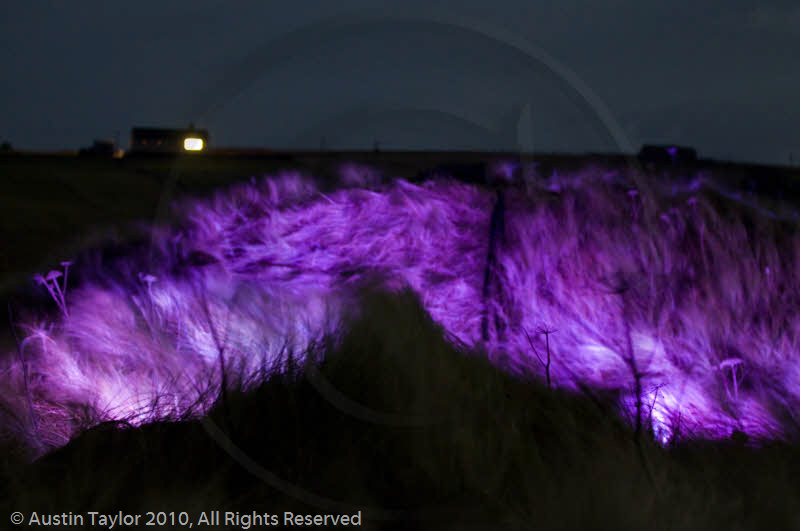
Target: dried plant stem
28,398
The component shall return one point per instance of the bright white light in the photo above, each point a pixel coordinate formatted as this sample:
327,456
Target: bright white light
193,144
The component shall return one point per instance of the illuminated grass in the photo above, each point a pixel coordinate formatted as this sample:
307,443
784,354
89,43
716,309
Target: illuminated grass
677,299
483,450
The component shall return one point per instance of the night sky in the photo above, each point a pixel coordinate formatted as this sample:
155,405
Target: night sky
721,76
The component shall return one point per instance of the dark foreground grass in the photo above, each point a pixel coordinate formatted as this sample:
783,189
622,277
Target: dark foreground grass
399,424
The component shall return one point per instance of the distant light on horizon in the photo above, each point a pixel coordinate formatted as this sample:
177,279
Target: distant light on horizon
193,144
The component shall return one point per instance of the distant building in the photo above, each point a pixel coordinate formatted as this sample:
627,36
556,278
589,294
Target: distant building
155,140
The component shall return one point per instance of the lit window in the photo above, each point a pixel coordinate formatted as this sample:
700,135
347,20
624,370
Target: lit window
193,144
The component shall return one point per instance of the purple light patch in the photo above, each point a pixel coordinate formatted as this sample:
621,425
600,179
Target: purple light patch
697,303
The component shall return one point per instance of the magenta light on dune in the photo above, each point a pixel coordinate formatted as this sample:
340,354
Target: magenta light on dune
680,300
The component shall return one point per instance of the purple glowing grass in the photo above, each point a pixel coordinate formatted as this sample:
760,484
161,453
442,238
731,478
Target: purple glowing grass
686,314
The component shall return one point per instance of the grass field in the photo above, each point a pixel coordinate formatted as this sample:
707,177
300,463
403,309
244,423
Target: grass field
670,307
54,205
484,451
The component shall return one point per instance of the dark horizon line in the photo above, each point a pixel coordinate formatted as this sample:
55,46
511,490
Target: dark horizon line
267,152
